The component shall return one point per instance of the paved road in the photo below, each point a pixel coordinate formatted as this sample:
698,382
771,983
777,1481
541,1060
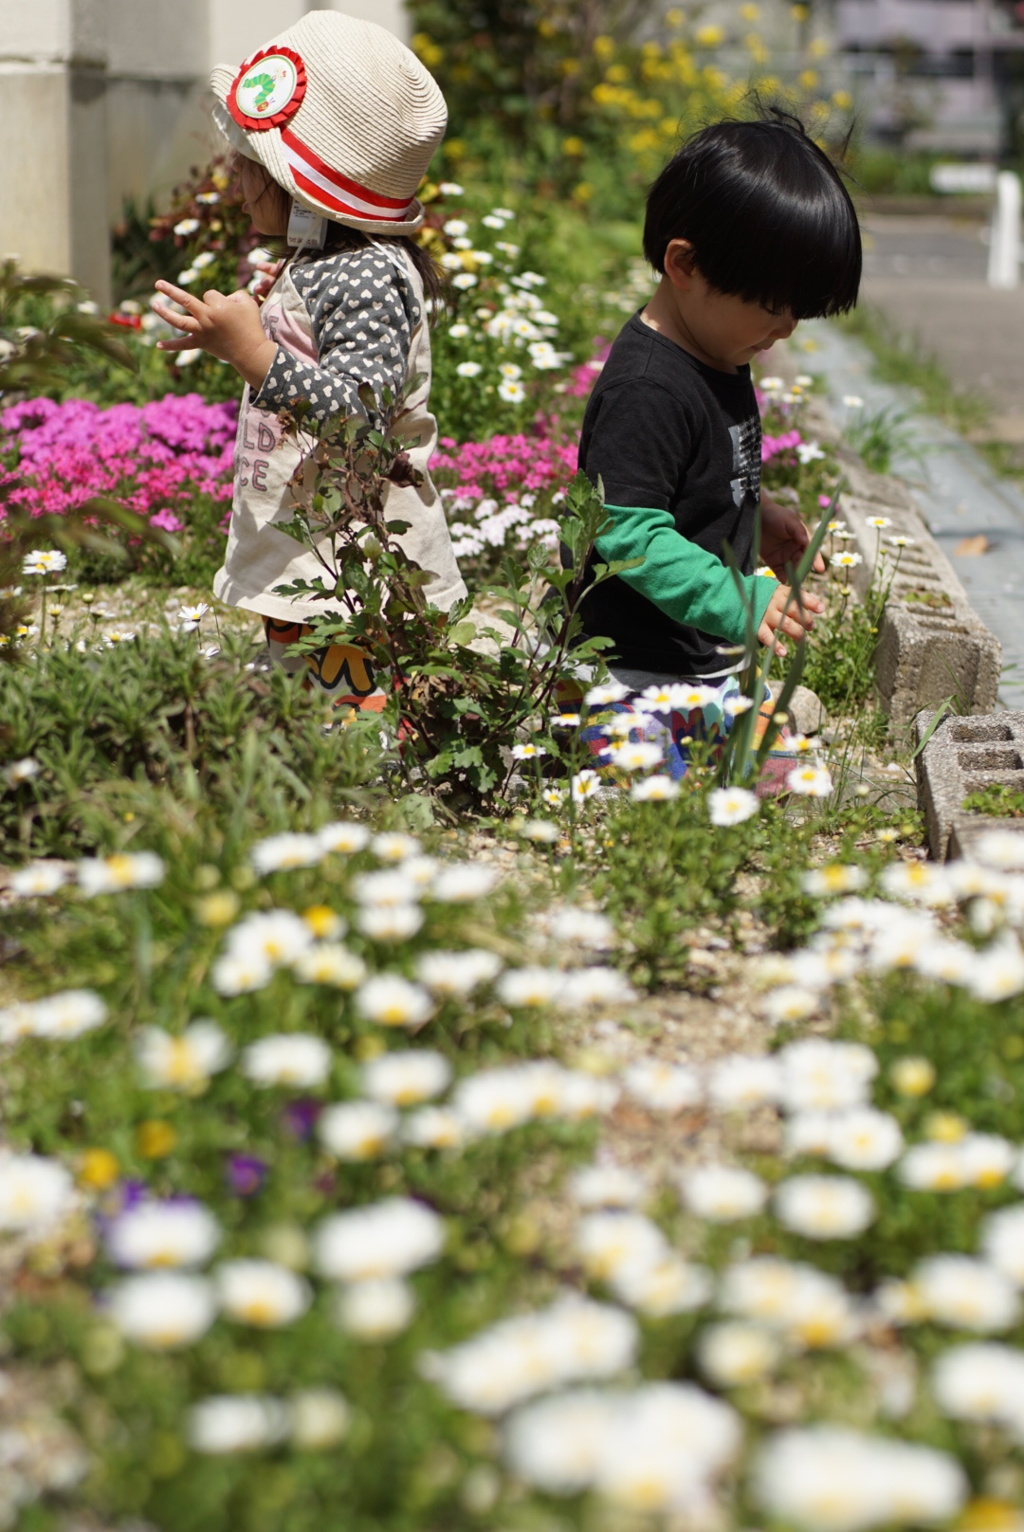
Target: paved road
957,489
927,276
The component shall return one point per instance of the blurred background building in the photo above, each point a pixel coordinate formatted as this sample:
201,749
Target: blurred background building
106,100
936,75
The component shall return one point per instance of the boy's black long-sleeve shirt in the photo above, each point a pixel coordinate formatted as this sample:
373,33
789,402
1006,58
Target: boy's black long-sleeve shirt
677,445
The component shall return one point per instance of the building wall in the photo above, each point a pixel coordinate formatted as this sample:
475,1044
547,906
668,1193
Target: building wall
107,99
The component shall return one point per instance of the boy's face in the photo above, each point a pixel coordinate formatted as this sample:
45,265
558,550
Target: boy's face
722,329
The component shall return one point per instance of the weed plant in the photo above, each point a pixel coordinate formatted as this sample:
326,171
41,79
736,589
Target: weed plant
121,732
997,800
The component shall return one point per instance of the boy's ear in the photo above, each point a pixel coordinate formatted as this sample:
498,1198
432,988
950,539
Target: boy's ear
680,264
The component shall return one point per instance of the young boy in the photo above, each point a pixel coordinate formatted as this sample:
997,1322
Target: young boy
752,230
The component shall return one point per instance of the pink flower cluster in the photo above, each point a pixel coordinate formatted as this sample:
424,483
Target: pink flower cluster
771,446
154,458
504,466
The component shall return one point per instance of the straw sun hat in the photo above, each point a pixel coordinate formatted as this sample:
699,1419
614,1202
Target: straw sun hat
341,114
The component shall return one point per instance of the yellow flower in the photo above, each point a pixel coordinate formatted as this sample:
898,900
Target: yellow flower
912,1076
842,99
217,909
807,79
322,920
799,12
709,37
98,1169
945,1127
817,48
675,17
604,47
429,52
573,146
989,1515
570,66
583,192
618,74
546,27
155,1139
750,12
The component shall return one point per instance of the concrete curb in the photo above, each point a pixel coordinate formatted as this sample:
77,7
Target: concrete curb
962,756
931,645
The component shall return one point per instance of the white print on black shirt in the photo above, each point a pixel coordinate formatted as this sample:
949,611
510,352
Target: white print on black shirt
746,460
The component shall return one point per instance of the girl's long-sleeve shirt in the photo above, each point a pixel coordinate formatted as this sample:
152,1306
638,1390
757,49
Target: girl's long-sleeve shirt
340,321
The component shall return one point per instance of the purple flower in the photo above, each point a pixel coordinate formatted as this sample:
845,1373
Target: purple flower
299,1117
245,1174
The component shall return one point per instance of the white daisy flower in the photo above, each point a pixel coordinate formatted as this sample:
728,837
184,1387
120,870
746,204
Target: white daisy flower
123,870
155,1234
35,1193
824,1207
386,1239
69,1013
722,1193
376,1310
357,1130
183,1062
163,1311
731,805
393,1001
261,1293
406,1078
229,1423
299,1060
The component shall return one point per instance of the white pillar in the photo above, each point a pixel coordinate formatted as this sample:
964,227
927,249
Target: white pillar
1004,246
53,171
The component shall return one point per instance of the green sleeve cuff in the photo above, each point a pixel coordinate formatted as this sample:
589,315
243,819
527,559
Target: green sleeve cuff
690,585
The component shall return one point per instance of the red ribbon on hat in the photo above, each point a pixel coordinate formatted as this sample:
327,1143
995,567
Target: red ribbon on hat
333,189
284,113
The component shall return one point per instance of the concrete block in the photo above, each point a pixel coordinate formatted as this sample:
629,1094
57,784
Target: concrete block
805,708
962,756
931,643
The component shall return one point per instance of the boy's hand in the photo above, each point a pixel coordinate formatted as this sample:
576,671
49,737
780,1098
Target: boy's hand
784,536
226,325
785,616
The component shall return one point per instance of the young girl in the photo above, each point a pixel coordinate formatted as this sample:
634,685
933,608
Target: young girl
750,230
334,123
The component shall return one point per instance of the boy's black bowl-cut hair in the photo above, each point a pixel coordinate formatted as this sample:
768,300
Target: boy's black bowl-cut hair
767,215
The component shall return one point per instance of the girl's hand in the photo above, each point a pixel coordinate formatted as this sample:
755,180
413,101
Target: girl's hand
227,325
784,615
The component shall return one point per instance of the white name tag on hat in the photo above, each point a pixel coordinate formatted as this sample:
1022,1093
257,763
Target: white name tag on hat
305,230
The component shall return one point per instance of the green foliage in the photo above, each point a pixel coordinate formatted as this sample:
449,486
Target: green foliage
880,435
577,105
457,715
663,870
109,724
997,799
32,358
892,172
840,655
